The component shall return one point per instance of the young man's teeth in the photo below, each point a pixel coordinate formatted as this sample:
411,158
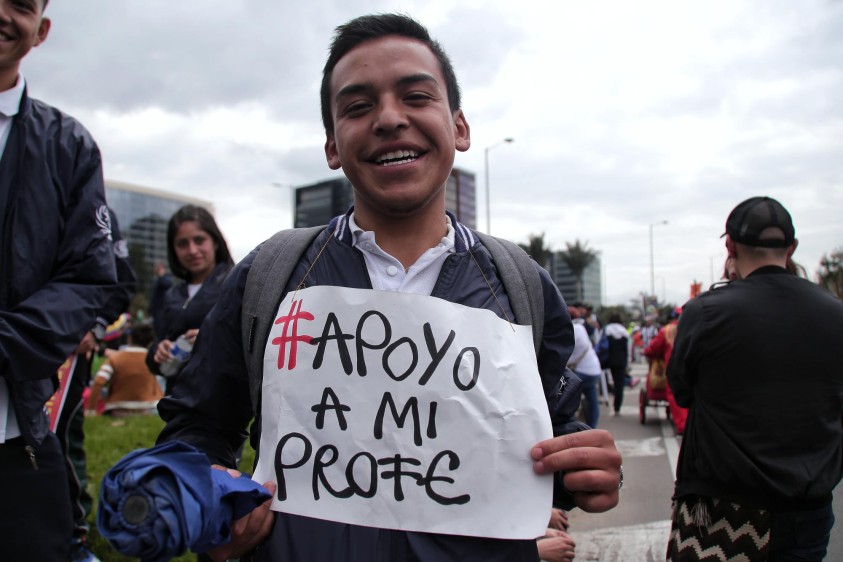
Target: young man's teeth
397,157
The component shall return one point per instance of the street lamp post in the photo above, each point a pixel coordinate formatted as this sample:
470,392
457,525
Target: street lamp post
652,269
486,162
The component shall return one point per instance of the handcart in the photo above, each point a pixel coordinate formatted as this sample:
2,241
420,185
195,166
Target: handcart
651,396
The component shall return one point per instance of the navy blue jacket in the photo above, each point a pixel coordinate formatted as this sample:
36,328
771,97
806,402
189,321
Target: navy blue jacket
175,314
210,405
56,260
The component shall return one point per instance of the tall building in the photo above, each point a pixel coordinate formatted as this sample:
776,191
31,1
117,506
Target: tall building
318,203
143,214
592,280
460,197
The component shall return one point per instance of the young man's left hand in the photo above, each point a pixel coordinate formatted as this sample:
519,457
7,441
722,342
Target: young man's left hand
592,466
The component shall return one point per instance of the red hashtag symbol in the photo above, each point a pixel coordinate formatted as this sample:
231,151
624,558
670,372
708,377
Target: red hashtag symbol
292,318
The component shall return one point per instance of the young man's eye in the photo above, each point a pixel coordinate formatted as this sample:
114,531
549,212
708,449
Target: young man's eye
24,5
356,107
417,97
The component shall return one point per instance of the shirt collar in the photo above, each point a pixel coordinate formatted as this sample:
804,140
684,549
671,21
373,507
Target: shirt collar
10,99
359,235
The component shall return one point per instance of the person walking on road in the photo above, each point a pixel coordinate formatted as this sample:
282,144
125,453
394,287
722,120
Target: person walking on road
618,357
759,364
586,365
661,348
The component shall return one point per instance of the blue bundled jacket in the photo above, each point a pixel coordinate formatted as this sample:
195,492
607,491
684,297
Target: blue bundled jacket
156,503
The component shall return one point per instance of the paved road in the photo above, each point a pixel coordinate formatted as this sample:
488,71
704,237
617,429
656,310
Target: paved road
637,529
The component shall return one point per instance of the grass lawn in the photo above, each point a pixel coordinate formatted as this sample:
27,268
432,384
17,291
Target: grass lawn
107,440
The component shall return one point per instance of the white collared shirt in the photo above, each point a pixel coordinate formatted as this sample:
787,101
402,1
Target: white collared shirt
388,274
9,105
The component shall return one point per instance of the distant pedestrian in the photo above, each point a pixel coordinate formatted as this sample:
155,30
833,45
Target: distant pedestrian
661,348
649,331
618,357
586,366
759,364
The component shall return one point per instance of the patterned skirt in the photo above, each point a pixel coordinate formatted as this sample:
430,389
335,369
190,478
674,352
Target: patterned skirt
711,530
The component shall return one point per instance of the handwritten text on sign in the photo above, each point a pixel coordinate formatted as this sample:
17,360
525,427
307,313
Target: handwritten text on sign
403,411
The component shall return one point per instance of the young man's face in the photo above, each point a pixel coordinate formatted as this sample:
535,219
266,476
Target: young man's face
21,28
394,133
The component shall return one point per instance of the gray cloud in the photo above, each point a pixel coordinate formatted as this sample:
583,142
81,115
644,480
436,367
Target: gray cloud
621,119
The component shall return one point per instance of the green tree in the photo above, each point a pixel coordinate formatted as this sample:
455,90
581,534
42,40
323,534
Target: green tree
537,248
578,256
830,274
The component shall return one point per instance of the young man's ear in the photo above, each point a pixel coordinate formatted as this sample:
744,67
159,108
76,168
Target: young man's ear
462,137
43,31
331,153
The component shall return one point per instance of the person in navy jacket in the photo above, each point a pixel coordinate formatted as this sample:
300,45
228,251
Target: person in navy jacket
58,271
391,111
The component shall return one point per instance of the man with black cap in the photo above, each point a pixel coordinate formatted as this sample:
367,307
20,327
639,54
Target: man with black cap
759,363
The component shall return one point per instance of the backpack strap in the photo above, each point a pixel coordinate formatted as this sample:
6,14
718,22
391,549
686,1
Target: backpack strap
521,281
265,285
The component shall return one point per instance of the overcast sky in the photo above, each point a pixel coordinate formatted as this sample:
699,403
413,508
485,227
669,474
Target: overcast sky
624,114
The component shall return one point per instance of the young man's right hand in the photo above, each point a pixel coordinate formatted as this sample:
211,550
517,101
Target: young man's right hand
250,530
592,465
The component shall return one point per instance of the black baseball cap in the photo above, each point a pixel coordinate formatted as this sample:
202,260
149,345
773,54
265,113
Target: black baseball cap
748,220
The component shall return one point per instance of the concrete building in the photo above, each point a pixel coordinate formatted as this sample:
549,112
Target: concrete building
461,197
592,281
318,203
143,214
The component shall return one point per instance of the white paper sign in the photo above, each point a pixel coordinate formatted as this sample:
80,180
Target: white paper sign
402,411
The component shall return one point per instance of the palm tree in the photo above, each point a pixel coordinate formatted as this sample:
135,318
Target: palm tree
578,256
537,249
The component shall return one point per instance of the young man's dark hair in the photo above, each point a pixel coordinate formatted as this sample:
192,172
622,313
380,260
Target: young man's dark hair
366,28
208,224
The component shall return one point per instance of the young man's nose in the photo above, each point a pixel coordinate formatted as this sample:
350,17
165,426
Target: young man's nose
390,115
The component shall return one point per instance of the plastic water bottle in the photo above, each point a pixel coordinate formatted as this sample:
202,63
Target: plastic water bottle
181,353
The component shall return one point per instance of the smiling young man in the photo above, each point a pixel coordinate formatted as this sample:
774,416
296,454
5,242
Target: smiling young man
392,116
56,271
